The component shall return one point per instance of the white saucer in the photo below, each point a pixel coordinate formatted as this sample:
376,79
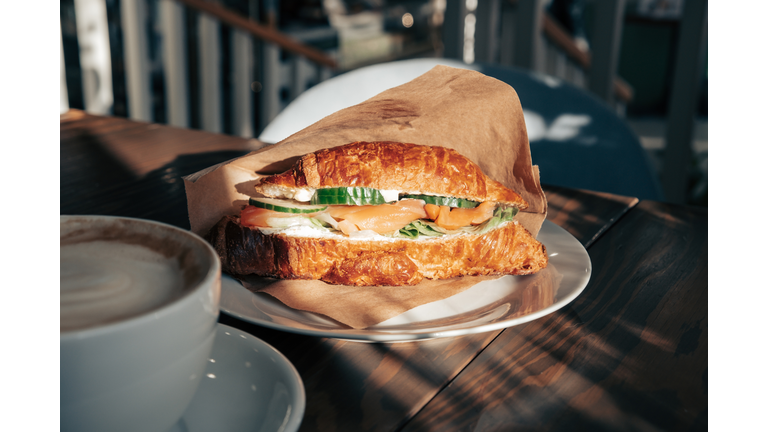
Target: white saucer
248,386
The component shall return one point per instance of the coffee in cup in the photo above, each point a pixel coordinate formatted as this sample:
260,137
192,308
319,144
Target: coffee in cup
139,308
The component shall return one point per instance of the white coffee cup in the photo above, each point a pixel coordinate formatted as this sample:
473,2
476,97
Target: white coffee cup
139,310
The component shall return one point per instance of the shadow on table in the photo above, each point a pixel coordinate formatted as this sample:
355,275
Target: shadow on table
96,181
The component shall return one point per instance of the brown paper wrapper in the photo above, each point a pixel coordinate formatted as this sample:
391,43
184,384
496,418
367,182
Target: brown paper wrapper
476,115
351,306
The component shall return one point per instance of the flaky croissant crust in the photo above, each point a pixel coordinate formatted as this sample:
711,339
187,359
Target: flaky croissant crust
387,165
509,249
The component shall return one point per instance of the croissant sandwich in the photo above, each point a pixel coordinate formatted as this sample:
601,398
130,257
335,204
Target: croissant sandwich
379,213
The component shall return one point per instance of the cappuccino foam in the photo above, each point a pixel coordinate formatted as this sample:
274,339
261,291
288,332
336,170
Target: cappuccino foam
108,281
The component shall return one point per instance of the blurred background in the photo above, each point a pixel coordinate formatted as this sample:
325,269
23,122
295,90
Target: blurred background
231,66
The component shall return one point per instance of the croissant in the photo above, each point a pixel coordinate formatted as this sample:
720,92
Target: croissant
379,213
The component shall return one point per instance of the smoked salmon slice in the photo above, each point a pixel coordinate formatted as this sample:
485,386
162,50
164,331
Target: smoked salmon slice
255,216
381,218
432,210
456,218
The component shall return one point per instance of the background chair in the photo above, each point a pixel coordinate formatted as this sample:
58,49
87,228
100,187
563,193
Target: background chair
576,139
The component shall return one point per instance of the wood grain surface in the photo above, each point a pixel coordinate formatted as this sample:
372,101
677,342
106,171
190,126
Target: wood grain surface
630,353
585,214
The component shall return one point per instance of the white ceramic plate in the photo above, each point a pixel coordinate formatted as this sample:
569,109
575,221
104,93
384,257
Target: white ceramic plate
248,386
489,305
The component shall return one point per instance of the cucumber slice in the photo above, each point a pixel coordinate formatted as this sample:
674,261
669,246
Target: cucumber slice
285,206
445,201
348,196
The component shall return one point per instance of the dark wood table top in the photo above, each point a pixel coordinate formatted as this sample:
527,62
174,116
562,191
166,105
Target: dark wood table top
630,353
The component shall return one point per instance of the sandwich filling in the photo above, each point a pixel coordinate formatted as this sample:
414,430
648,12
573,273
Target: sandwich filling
364,212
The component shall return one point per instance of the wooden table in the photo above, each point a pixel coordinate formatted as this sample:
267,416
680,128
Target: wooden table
630,353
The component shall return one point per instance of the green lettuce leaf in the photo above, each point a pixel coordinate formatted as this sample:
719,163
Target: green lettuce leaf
420,227
500,215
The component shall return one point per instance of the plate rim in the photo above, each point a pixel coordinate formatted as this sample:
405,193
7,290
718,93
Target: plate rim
374,335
